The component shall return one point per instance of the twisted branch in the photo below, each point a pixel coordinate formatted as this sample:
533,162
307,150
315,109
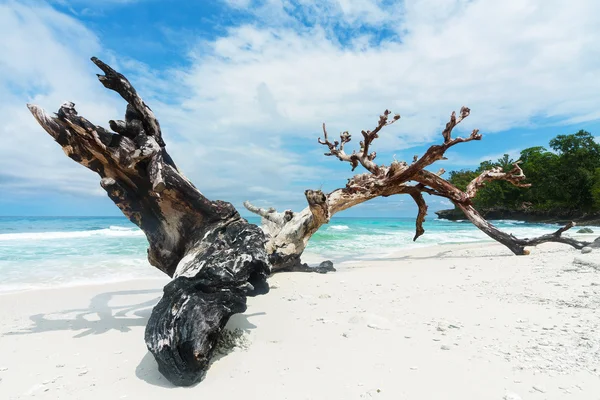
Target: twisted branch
514,176
363,157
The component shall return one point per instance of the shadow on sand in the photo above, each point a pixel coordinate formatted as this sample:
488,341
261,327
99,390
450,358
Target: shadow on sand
98,318
101,317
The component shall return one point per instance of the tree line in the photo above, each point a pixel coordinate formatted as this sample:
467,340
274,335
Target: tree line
566,177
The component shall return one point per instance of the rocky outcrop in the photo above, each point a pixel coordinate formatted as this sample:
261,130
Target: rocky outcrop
559,216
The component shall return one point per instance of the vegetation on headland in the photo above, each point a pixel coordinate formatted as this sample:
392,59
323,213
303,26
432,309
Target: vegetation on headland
565,183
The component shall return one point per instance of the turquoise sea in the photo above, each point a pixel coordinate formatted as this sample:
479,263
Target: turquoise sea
52,251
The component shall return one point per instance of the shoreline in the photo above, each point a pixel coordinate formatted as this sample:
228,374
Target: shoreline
472,318
557,216
311,258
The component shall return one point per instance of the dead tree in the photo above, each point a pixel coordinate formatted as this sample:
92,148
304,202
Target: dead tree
214,256
288,233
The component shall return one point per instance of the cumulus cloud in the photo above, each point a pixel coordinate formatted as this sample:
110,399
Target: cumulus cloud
242,116
41,62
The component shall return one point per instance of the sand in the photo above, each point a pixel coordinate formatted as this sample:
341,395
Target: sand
446,322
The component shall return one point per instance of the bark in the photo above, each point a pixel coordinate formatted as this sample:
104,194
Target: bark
288,233
215,257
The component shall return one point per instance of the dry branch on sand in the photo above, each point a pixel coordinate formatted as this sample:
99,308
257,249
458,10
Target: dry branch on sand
215,257
288,233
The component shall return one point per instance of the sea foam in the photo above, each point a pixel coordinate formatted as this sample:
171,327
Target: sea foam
113,231
339,227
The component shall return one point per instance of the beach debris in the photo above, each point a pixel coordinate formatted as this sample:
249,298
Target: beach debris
2,369
214,257
445,347
586,250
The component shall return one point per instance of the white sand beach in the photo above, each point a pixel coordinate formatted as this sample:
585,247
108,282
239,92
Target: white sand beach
445,322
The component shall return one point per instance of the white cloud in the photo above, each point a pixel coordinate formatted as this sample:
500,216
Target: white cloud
509,61
41,61
229,116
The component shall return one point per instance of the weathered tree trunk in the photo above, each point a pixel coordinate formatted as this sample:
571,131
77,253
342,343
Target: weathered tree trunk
516,245
288,233
215,257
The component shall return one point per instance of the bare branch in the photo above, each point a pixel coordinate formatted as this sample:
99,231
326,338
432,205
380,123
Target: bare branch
554,237
417,196
516,245
115,81
447,133
436,152
270,214
336,151
369,136
514,176
363,156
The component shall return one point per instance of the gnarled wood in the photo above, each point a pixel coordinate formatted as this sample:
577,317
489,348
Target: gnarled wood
215,257
288,233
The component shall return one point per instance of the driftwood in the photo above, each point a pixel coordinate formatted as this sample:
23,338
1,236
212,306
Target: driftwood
288,233
215,257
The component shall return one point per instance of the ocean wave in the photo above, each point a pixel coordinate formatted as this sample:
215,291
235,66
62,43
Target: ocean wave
113,231
339,227
120,228
507,222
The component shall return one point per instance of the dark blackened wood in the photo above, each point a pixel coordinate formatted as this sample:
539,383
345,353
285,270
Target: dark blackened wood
215,257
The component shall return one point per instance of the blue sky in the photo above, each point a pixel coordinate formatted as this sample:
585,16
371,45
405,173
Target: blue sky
241,87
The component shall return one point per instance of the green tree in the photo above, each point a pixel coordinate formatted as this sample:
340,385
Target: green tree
579,156
565,177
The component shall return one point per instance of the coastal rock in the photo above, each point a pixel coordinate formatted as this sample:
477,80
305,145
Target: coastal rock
324,267
585,230
560,216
